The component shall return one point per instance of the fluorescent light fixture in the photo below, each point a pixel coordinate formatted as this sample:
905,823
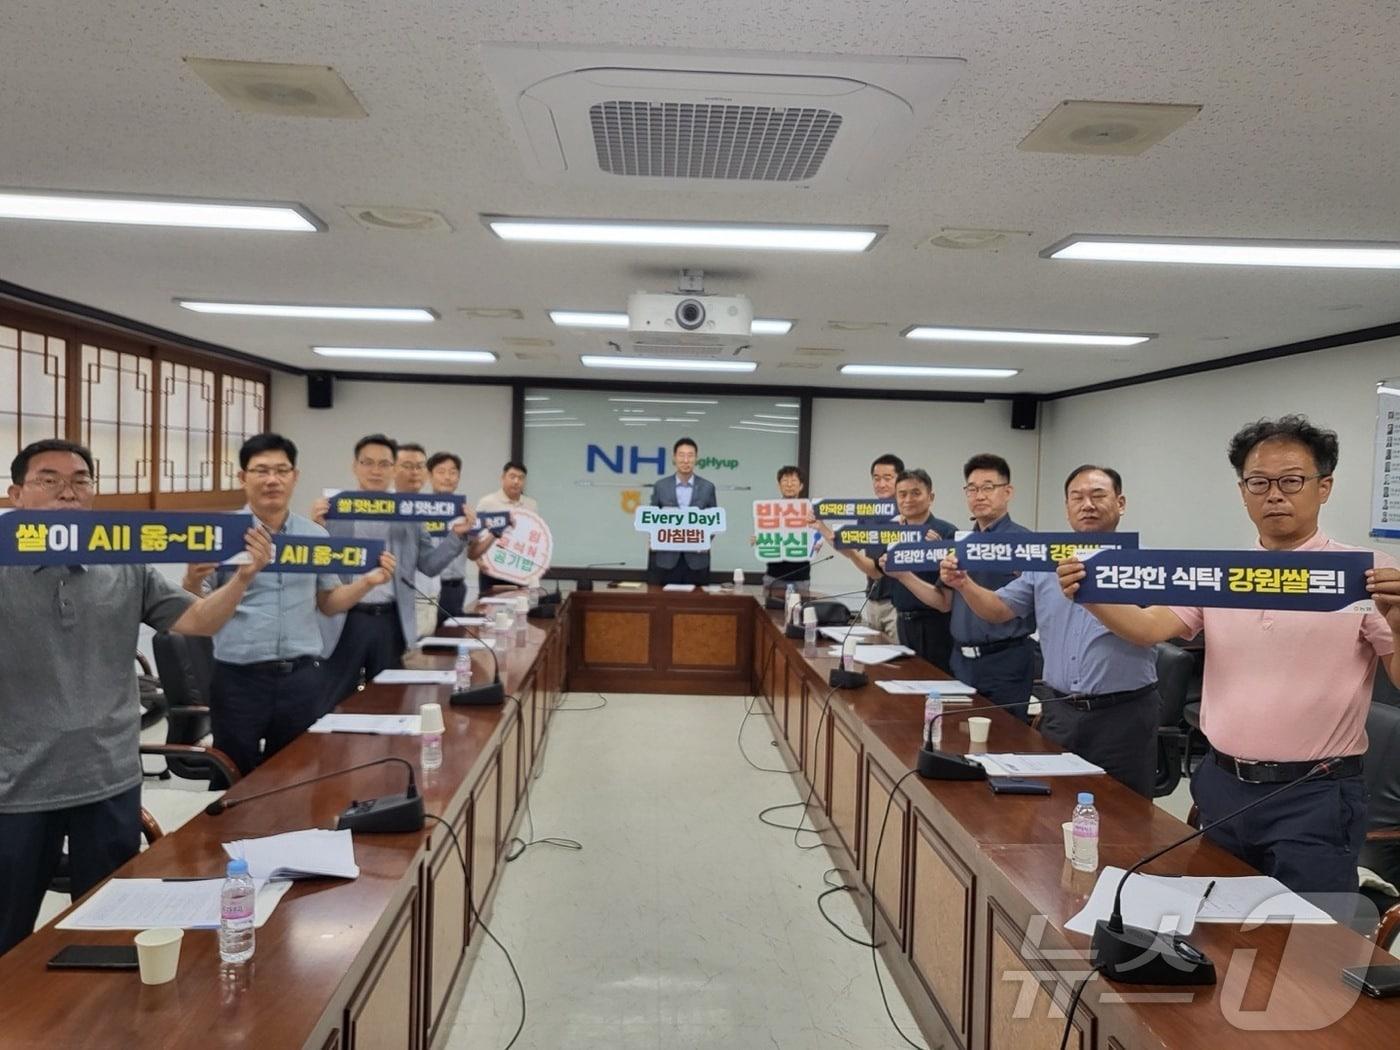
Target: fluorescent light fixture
760,430
633,423
599,319
695,411
764,415
544,411
768,426
1007,335
678,419
786,404
535,397
156,211
395,353
1209,251
639,233
642,419
316,313
554,424
929,371
1383,389
666,364
663,401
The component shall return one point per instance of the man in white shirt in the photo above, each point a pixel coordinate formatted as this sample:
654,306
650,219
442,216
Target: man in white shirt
510,496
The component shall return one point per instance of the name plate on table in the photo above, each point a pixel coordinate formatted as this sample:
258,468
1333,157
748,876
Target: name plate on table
395,506
1302,581
1037,551
324,554
119,537
854,509
679,528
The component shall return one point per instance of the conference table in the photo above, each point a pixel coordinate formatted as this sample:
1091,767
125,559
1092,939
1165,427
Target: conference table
971,891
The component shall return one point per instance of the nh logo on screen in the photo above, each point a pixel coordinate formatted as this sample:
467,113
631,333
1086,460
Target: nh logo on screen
625,459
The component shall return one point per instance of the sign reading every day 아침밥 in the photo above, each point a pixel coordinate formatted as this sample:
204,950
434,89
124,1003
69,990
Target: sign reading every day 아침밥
679,528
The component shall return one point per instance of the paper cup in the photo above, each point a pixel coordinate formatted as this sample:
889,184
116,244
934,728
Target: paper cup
431,717
503,619
978,728
158,954
1068,828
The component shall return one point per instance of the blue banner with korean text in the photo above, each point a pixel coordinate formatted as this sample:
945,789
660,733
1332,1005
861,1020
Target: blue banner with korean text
324,554
877,535
496,521
118,537
853,509
395,506
923,556
1303,581
1036,551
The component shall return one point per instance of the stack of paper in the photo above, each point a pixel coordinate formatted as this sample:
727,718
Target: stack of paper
1063,765
1251,899
415,676
679,587
465,621
1152,902
147,904
442,641
952,692
875,654
382,725
498,599
308,854
840,634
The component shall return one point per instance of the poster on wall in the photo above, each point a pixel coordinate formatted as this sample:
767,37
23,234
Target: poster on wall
1385,487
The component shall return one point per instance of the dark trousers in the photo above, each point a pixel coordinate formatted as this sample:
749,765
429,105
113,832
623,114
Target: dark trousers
1003,677
256,711
1308,838
1122,738
369,643
453,598
928,634
678,573
102,836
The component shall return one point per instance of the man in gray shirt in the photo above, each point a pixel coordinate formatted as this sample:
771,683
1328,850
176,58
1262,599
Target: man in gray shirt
69,750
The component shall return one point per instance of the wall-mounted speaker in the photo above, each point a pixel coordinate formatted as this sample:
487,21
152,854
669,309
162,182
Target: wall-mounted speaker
320,390
1023,413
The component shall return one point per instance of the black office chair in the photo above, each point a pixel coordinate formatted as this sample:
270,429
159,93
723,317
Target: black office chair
1381,852
831,614
62,881
186,667
150,694
1385,691
1174,672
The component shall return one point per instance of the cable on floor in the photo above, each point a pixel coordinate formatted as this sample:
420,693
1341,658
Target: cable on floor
1074,1005
843,887
750,701
517,845
874,876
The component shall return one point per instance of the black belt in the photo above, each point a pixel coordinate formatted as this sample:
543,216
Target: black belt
375,608
282,667
918,614
1102,701
1279,772
982,649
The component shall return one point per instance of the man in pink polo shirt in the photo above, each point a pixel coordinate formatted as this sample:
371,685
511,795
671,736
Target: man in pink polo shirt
1283,690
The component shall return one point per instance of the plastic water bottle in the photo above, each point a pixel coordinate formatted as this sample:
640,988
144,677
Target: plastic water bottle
431,755
236,915
1086,834
464,667
809,631
792,601
933,719
848,652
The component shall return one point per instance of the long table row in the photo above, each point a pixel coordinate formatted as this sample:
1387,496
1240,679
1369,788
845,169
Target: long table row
972,890
370,963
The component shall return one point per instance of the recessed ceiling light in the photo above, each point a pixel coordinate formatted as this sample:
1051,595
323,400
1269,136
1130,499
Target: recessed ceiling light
929,371
667,364
1210,252
601,319
130,210
394,353
417,314
762,415
664,401
685,234
1002,335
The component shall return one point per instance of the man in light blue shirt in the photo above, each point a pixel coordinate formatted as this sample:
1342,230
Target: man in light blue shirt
268,686
1110,714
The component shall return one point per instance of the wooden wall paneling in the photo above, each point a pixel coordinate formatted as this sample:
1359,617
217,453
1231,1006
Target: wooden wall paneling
889,892
527,736
773,684
383,1011
1016,1019
704,640
332,1041
534,691
816,748
510,771
446,896
792,707
845,785
484,838
616,637
941,935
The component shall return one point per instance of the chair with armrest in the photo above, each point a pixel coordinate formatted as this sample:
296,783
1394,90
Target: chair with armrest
1174,668
186,667
62,879
152,696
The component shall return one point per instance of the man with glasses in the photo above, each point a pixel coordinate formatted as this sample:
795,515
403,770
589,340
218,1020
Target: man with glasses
69,748
878,611
410,475
378,628
994,656
1283,690
267,687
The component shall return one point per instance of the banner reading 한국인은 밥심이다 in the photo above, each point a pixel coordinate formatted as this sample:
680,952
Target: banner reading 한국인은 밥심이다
1302,581
854,509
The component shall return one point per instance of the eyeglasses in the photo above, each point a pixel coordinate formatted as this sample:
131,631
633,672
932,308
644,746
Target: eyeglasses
263,473
52,484
382,464
984,489
1288,484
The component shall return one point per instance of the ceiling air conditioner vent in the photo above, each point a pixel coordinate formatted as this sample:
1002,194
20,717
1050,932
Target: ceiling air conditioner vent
716,120
684,140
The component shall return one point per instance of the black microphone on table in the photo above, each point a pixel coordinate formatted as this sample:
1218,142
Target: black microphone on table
839,678
586,584
388,814
936,764
1134,955
486,694
771,600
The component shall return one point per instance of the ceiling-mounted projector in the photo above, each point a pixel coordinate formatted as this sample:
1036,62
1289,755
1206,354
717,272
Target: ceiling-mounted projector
689,315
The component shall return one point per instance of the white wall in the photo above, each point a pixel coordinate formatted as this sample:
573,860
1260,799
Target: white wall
938,436
1168,440
472,421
